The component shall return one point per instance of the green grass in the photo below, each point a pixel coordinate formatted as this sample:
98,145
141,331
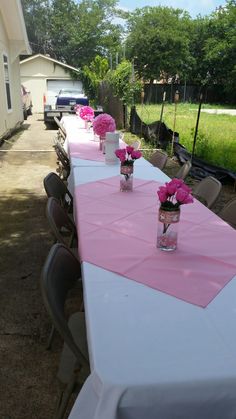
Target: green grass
216,142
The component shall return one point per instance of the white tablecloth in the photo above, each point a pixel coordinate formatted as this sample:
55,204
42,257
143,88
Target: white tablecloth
154,356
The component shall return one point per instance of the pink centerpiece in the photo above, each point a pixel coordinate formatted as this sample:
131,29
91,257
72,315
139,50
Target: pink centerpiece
101,125
174,194
86,113
127,158
128,155
104,123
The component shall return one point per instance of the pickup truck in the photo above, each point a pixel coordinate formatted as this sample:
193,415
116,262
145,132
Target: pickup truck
65,105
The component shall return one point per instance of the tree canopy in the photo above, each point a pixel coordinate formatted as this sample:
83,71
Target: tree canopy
158,41
164,42
161,42
72,32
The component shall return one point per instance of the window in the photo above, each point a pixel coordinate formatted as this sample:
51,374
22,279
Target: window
7,81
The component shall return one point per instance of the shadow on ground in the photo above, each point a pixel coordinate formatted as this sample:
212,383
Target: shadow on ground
29,388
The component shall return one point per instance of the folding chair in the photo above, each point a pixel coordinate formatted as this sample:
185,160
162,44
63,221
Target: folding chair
63,161
62,226
184,170
159,159
207,191
228,213
59,275
60,126
55,187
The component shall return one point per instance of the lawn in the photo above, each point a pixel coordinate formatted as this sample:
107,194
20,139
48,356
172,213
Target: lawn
216,142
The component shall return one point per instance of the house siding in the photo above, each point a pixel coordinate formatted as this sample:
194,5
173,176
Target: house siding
9,119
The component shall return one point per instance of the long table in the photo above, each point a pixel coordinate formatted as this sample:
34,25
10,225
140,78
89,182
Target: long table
152,355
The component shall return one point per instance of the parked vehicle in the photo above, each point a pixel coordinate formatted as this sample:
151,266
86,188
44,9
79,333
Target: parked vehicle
65,104
26,102
69,98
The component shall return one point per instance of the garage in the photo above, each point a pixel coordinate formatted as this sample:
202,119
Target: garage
54,86
44,77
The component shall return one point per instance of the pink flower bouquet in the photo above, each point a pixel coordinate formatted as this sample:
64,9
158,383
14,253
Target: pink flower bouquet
174,194
86,113
128,155
77,109
103,123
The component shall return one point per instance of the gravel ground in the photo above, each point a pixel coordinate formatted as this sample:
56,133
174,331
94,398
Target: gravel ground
29,387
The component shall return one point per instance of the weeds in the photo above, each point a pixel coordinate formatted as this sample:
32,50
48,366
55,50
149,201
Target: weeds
216,139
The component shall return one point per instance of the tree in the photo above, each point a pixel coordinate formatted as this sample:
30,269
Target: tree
37,19
213,48
123,83
158,41
93,75
220,46
72,32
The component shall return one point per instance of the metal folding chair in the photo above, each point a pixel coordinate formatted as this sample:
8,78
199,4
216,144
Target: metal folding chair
228,213
59,275
55,187
159,159
208,190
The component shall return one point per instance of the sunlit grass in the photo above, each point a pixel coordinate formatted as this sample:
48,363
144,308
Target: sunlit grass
216,142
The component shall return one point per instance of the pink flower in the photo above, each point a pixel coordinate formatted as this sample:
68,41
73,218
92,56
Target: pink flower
121,154
128,154
183,196
136,154
173,185
186,188
86,113
162,194
129,149
103,123
174,194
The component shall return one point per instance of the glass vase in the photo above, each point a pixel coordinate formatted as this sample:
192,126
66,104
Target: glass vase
102,143
167,231
126,177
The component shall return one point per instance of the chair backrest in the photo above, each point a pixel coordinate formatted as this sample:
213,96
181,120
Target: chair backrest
159,159
60,273
55,187
63,228
60,126
62,157
184,170
228,213
208,190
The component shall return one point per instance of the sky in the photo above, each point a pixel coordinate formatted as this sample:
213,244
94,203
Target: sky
194,7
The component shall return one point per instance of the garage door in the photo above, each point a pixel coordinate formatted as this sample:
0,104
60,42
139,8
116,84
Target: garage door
54,86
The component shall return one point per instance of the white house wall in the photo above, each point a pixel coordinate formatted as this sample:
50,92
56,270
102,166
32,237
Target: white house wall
9,118
34,76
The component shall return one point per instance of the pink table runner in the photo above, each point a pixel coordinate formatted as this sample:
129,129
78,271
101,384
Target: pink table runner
80,142
83,146
117,232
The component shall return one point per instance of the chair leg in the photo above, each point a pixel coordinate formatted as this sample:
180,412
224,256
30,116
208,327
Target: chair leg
50,338
65,398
